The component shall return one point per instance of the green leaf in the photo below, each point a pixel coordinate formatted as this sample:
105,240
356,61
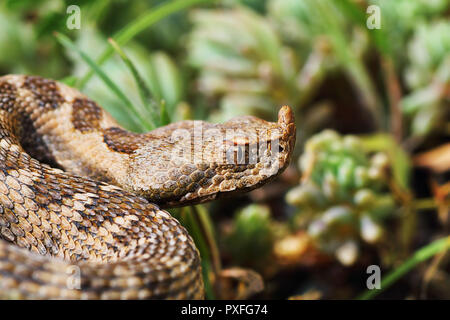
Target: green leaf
164,115
135,27
187,218
400,160
149,106
330,24
65,41
51,22
419,256
267,40
358,16
70,81
165,80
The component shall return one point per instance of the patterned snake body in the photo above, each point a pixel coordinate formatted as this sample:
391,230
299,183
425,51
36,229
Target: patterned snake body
77,193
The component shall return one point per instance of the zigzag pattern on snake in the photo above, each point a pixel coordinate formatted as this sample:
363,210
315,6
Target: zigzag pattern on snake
80,194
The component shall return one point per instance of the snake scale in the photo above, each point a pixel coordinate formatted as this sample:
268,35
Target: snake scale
80,197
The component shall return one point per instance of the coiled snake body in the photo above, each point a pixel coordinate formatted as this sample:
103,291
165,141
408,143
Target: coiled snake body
77,193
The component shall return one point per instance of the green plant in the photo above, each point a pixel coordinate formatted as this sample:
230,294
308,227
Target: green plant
251,239
344,195
241,61
428,76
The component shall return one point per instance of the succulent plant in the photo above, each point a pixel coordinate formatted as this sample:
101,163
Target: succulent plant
157,69
428,76
241,61
343,197
400,18
250,63
250,241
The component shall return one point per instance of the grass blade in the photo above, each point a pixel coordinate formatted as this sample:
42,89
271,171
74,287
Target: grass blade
401,162
330,25
419,256
69,81
194,226
164,115
149,106
65,41
135,27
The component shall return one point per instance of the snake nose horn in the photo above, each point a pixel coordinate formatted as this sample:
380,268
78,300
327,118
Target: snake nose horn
285,115
286,120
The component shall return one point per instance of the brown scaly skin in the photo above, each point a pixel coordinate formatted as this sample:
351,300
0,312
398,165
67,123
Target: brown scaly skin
95,221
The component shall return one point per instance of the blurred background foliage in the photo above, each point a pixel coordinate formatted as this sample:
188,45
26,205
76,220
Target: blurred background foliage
368,183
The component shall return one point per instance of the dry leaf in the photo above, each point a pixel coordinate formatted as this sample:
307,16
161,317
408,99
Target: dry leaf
441,195
298,249
239,284
309,295
437,159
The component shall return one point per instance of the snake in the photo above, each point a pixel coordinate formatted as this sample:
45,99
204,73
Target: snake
82,200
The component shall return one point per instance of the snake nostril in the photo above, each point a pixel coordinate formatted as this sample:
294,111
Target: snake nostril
280,148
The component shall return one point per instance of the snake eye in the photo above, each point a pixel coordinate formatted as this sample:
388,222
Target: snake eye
280,149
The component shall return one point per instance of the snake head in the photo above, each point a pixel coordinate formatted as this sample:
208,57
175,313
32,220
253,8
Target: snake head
194,161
